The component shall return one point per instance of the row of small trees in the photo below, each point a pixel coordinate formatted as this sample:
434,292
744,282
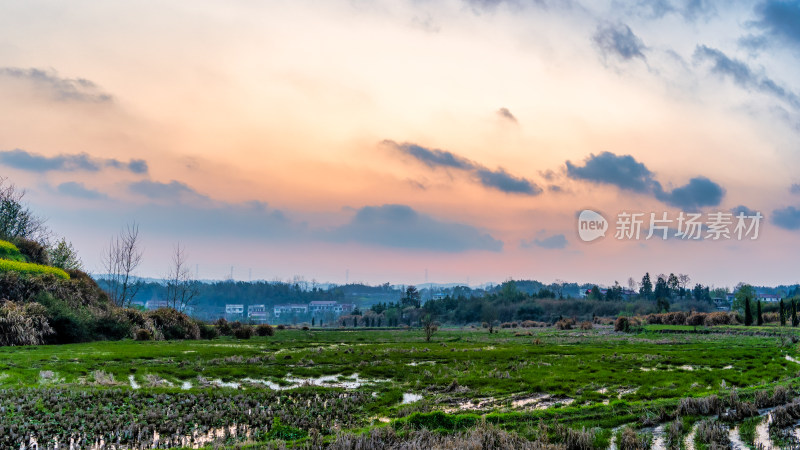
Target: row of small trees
783,312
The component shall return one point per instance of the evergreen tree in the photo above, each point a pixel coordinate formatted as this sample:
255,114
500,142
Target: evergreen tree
758,312
794,313
782,312
646,290
748,316
313,319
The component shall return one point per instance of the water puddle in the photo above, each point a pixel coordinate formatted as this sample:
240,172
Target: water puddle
688,441
542,401
410,398
659,440
736,440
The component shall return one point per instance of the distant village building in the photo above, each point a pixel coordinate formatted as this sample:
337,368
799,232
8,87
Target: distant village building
257,313
321,307
721,304
347,308
234,311
769,298
290,309
154,303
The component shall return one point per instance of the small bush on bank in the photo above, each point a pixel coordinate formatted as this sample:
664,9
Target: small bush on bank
143,334
208,331
565,324
243,332
265,330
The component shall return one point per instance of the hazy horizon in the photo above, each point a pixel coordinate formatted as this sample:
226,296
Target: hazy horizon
389,138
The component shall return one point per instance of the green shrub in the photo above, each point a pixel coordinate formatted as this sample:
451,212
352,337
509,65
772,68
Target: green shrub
10,251
285,432
224,327
33,251
30,268
173,324
438,420
143,334
243,332
114,325
265,330
207,331
70,325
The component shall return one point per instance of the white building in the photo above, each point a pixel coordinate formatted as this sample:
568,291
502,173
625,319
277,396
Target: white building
155,304
290,309
234,312
257,313
769,298
321,307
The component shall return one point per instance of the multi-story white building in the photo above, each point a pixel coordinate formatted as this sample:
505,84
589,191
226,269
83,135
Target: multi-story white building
290,309
257,313
234,312
321,307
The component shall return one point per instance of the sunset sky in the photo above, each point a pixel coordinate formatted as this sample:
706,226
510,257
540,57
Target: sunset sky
384,138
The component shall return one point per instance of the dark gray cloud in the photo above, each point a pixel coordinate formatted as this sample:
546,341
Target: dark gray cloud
34,162
607,168
79,190
743,209
400,226
57,87
619,40
503,181
495,179
787,218
432,157
700,192
627,173
506,114
743,75
556,241
780,20
174,191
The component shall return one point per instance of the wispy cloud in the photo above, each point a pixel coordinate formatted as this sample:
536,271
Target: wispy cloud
556,241
34,162
498,179
79,190
618,40
400,226
743,75
172,191
505,113
58,87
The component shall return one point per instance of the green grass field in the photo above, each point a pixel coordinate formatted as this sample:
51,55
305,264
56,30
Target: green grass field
596,379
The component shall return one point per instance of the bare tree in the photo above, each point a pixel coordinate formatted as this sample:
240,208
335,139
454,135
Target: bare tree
181,286
429,326
17,221
633,285
558,288
120,260
684,281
